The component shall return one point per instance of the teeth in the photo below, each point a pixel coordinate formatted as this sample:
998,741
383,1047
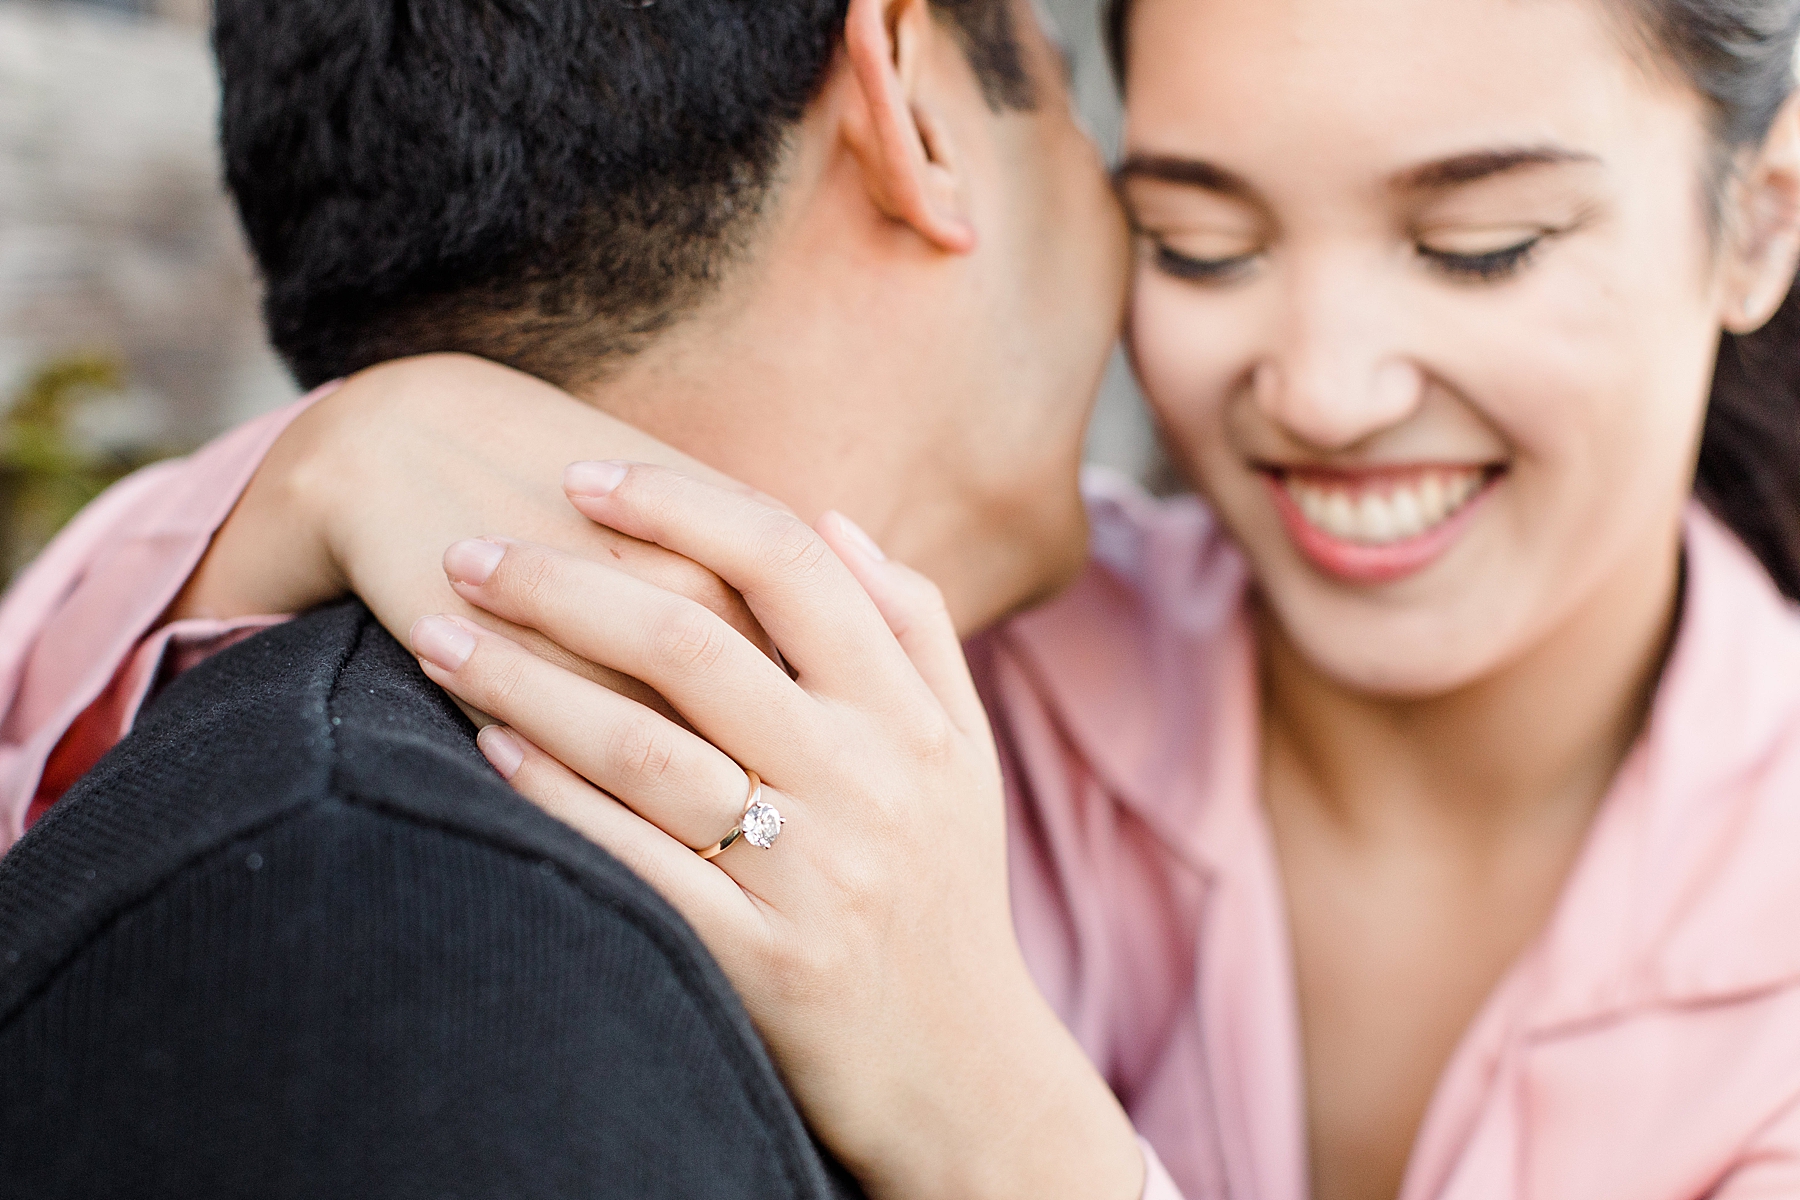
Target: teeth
1338,514
1433,504
1409,513
1375,518
1391,513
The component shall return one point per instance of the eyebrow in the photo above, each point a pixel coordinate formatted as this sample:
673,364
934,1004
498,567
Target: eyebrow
1189,172
1483,164
1432,176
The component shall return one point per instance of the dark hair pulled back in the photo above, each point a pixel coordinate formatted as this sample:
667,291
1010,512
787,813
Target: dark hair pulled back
1739,55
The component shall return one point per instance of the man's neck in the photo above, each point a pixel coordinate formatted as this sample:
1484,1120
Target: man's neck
777,385
847,364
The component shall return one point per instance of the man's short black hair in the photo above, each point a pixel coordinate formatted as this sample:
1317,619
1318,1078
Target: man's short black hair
546,183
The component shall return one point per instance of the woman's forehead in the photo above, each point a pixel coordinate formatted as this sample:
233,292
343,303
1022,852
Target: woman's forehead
1385,85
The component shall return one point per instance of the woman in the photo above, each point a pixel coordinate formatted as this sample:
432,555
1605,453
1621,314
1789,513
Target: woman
1454,756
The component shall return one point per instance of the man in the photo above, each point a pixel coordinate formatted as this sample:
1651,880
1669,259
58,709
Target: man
291,937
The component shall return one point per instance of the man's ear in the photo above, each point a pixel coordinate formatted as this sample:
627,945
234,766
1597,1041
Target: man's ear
902,143
1766,246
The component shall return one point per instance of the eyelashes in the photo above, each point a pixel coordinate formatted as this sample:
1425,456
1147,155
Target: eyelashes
1488,266
1200,270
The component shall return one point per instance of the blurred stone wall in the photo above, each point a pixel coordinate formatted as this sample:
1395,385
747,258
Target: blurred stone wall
116,238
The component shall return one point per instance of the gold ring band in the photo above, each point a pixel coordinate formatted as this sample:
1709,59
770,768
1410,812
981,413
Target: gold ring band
751,796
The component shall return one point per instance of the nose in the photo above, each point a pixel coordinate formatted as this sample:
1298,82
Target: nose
1336,374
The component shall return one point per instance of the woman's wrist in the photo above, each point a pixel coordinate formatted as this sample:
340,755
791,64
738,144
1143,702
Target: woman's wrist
1019,1111
272,553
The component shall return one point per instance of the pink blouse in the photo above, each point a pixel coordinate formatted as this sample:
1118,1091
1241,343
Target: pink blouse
1646,1048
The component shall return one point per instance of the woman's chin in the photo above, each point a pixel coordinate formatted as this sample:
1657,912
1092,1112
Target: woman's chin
1383,650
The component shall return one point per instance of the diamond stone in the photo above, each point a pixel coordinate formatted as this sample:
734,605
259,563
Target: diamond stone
762,825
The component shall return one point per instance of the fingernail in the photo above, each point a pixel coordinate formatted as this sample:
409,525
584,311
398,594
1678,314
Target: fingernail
441,640
593,478
862,539
501,749
473,560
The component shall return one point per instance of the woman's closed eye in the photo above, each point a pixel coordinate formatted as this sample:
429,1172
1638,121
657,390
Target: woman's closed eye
1481,256
1203,257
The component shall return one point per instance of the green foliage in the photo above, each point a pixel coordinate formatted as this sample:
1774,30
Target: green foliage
45,476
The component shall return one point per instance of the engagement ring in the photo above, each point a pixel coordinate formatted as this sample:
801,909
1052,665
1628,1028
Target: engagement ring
760,825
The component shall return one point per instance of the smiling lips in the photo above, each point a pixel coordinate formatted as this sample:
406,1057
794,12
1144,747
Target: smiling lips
1377,526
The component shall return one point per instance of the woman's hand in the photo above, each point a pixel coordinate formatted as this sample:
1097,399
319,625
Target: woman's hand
872,943
365,489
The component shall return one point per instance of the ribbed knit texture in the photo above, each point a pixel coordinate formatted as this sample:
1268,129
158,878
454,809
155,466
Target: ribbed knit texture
294,938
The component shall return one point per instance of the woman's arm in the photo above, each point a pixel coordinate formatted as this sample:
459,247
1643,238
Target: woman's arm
363,492
872,942
76,616
358,488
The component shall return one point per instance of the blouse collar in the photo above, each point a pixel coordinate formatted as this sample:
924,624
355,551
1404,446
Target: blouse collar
1686,888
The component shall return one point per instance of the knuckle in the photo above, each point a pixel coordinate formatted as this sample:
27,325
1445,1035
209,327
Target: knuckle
650,495
865,914
503,680
532,578
858,884
639,750
805,972
688,638
791,550
929,740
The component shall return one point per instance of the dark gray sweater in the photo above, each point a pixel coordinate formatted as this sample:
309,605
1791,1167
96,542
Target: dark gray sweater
293,937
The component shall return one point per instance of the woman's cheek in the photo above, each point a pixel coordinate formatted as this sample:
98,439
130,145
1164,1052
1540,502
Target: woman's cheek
1181,347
